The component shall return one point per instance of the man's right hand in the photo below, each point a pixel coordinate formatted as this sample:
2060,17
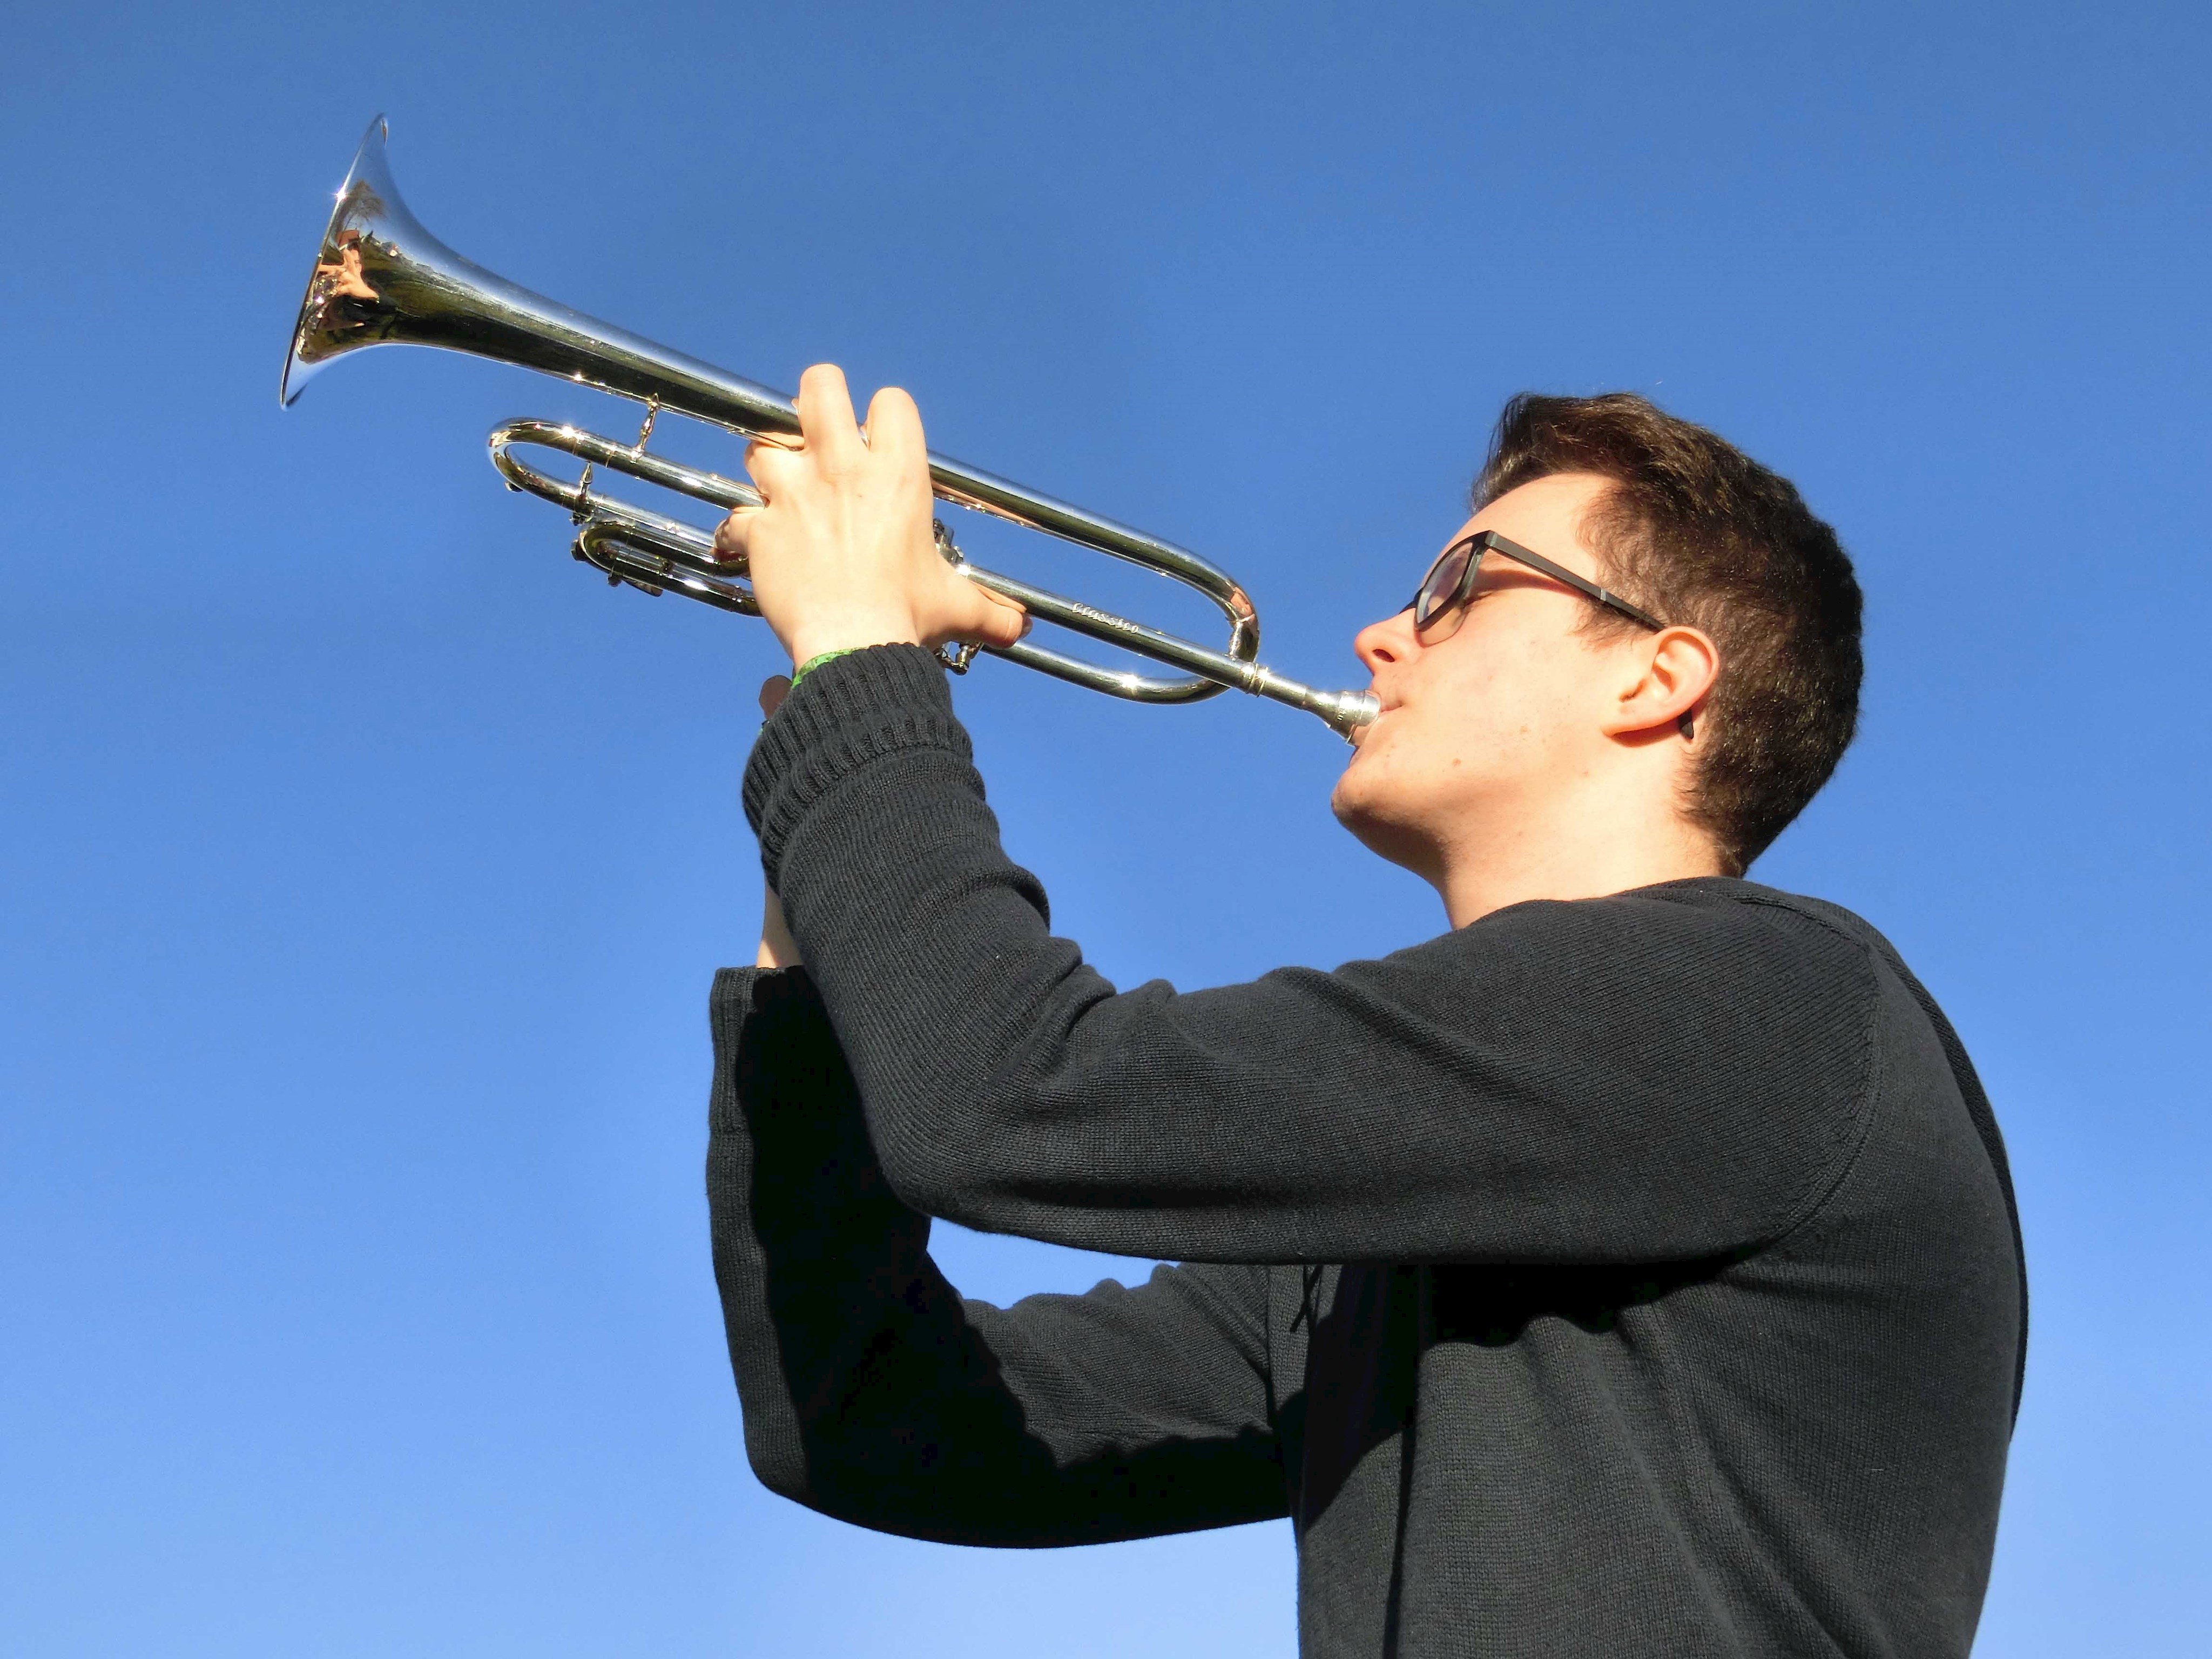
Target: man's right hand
842,555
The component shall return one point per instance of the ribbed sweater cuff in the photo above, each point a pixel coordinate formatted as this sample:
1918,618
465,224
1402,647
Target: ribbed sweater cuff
743,995
847,713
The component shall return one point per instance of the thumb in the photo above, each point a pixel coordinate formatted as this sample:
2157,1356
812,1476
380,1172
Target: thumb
998,621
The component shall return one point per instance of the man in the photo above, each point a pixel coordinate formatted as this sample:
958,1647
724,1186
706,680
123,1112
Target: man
1632,1269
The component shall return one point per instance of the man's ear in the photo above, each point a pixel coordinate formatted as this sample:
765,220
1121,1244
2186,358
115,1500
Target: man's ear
1668,678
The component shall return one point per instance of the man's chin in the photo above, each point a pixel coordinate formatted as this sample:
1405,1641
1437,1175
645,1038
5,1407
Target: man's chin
1358,809
1348,799
1388,815
1363,787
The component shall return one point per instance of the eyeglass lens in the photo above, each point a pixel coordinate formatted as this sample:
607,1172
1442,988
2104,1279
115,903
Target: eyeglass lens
1439,587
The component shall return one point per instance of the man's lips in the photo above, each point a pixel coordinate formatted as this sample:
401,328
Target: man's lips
1360,733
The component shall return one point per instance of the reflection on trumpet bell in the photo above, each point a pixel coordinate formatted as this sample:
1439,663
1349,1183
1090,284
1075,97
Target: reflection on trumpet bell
379,278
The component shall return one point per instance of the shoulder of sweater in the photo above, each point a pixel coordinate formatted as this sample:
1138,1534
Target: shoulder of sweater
1755,942
1850,931
1700,905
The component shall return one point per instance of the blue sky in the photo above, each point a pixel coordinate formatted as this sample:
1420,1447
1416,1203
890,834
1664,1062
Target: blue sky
366,861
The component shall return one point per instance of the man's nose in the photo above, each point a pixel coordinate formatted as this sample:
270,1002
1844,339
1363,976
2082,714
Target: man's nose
1390,641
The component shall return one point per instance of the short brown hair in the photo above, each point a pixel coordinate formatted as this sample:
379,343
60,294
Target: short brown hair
1697,531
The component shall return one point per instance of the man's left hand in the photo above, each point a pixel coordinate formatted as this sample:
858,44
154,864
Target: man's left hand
841,555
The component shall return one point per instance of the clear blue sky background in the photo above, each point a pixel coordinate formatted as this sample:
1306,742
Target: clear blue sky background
365,861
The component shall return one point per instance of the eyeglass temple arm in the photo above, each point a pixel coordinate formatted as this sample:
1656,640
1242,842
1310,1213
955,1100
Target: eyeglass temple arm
1535,561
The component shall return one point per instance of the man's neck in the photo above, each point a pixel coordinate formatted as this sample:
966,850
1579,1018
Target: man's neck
1584,852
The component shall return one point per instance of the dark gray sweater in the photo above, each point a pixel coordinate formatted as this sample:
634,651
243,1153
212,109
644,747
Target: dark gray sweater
1674,1303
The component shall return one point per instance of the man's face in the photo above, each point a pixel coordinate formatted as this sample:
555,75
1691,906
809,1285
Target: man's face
1480,725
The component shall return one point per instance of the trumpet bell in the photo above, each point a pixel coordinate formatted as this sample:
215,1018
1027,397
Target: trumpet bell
371,236
381,279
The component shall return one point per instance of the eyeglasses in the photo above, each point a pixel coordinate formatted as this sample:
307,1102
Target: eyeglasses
1445,590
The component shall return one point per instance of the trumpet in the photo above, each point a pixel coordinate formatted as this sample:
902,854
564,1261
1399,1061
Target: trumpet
381,279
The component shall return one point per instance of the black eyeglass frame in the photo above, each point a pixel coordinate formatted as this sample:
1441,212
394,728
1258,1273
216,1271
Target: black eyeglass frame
1489,541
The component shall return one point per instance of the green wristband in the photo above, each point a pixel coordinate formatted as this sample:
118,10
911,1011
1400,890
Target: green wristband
813,663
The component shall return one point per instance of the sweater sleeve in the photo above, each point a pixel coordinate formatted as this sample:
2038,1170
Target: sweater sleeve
873,1393
1672,1074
